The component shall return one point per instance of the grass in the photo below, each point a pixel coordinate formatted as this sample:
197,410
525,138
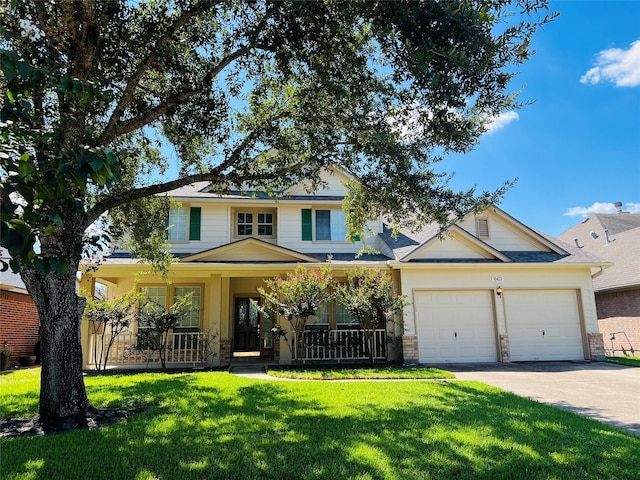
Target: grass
629,361
378,373
217,425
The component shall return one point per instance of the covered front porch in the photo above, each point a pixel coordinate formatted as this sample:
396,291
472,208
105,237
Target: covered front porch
226,326
194,350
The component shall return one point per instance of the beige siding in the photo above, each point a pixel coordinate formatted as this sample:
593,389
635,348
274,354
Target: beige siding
501,236
447,248
290,233
333,187
214,229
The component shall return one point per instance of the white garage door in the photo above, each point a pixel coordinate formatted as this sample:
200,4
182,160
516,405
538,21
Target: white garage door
455,326
543,325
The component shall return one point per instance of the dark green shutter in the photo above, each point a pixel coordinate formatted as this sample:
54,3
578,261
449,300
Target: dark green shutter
194,223
307,226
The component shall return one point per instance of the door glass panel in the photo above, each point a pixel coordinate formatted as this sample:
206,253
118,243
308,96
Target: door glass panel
242,314
253,315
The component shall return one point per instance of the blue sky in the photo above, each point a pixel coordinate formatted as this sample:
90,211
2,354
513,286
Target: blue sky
576,150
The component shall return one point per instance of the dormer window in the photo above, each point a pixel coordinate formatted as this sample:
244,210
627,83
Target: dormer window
254,223
482,228
245,224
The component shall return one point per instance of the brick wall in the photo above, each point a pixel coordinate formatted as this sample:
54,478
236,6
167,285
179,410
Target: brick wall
225,351
19,324
596,347
505,348
620,312
410,349
627,343
618,304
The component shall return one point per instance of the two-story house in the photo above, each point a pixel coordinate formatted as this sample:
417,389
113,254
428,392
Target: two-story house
489,290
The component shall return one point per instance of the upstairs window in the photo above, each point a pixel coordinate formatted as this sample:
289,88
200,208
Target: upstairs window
265,224
184,224
245,224
178,224
331,225
254,223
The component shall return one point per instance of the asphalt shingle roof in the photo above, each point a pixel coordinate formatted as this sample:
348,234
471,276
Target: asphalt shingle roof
622,248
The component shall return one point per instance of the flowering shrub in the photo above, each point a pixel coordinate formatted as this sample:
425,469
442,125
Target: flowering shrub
295,298
108,319
368,295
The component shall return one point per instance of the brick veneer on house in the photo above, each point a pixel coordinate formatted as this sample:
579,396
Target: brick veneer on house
505,348
19,324
225,351
619,312
410,349
596,347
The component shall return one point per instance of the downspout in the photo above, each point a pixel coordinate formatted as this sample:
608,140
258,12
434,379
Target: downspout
598,273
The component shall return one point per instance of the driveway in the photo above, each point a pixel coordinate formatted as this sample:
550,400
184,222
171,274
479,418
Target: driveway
603,391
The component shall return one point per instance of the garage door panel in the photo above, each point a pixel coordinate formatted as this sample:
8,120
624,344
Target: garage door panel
455,326
543,325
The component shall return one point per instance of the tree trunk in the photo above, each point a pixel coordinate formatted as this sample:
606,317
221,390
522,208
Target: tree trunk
63,397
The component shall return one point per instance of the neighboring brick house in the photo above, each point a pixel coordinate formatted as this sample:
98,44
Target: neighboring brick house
614,237
19,321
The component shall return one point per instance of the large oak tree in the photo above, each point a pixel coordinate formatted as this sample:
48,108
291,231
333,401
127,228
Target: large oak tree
94,92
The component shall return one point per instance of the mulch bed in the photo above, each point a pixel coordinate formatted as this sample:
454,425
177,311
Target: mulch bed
31,427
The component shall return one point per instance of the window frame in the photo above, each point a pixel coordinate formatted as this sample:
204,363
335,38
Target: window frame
332,320
315,224
170,298
255,224
171,225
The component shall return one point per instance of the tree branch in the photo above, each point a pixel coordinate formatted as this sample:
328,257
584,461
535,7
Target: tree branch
215,175
125,100
116,128
159,110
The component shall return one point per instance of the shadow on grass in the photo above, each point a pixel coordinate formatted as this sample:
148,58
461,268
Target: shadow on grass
227,427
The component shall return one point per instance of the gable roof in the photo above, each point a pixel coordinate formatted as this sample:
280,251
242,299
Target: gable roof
410,246
619,244
249,250
469,247
333,177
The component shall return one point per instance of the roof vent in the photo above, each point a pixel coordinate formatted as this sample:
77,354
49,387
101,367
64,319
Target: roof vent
577,244
606,234
618,207
594,234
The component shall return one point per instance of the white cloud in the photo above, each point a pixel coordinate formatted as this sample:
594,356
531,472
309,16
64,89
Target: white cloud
501,121
600,207
621,67
632,207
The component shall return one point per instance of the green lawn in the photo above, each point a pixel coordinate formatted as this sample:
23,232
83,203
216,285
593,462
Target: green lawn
629,361
213,425
377,373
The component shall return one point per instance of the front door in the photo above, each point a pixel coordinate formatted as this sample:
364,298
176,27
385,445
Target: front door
247,326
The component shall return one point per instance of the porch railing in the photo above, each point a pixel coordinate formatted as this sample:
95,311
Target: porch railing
338,345
128,349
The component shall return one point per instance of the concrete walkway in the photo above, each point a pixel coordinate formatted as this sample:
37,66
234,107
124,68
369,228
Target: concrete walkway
602,391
